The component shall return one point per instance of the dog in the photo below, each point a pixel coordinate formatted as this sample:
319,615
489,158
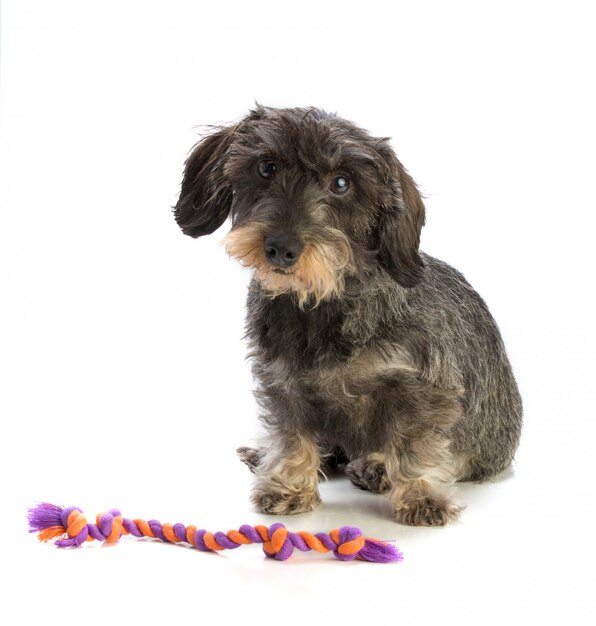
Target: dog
369,354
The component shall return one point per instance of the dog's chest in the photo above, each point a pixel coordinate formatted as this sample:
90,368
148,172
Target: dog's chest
333,360
322,374
342,404
305,340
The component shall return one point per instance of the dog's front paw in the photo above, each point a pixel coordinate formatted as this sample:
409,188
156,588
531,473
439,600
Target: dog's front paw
283,503
427,511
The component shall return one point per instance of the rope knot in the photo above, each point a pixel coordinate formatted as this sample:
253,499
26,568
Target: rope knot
75,525
110,525
278,545
349,542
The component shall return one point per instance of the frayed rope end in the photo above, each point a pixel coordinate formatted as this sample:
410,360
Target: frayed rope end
379,552
46,520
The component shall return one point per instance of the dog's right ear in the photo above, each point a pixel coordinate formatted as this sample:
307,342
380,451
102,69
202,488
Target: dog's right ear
401,222
206,196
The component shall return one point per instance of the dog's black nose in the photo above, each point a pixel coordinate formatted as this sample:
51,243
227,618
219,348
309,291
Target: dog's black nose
282,250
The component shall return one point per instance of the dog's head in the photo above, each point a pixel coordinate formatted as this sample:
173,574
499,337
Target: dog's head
314,201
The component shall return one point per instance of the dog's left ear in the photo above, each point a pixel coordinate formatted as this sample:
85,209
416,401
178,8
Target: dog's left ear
401,222
206,196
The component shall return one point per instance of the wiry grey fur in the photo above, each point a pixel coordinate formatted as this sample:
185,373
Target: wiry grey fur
365,348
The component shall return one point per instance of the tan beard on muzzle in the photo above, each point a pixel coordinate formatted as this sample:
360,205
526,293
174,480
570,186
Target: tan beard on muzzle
318,274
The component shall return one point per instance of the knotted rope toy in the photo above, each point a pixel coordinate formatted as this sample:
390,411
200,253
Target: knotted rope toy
69,528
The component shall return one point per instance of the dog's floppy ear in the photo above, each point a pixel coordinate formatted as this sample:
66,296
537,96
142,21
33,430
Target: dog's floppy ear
400,223
206,197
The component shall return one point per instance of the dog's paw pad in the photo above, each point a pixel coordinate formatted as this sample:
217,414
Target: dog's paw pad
427,512
250,457
282,504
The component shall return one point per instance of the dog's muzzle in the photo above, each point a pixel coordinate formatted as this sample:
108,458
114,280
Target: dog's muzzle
282,250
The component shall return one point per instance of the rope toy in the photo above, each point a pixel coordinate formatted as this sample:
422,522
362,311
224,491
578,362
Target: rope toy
69,528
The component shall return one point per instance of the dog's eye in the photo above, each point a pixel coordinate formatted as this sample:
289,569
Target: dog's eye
267,168
340,184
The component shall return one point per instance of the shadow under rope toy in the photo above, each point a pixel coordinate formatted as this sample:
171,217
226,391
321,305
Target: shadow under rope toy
69,528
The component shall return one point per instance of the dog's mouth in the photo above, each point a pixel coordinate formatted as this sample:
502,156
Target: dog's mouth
279,270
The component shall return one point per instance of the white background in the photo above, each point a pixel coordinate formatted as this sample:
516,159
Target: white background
122,371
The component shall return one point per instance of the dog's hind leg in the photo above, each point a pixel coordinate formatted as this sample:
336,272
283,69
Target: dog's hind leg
368,472
251,457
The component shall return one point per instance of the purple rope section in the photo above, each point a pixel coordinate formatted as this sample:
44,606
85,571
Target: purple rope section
68,527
